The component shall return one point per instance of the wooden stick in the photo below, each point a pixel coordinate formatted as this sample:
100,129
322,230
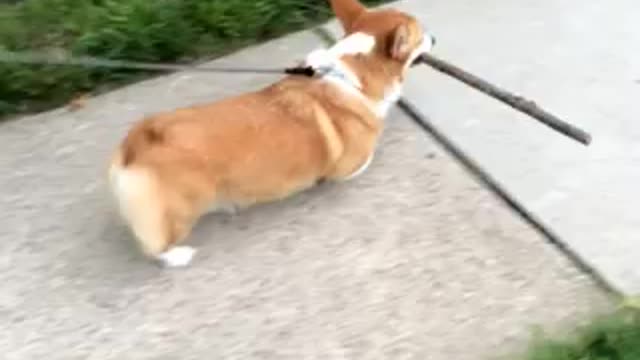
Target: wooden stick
517,102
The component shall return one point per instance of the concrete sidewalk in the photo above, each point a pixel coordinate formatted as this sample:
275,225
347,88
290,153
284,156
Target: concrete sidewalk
411,261
578,59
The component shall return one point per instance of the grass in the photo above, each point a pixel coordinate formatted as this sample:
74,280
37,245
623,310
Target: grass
140,30
612,337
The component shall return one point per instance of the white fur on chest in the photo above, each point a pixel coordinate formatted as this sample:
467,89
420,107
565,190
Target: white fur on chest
391,95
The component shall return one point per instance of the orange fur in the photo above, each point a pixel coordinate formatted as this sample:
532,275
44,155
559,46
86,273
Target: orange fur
260,146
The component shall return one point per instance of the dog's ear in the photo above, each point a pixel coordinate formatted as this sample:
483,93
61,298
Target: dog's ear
399,47
347,11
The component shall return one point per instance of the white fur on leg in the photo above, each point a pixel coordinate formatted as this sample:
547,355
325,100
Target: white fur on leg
361,169
178,256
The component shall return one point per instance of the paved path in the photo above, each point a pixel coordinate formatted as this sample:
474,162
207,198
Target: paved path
580,60
411,261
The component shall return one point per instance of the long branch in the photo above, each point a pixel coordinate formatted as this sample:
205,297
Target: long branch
526,106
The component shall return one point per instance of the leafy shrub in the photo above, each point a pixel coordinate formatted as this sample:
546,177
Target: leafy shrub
142,30
612,337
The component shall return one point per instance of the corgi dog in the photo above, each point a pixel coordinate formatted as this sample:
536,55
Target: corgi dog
172,168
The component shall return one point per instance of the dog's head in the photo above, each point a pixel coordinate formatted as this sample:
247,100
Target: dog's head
398,36
378,47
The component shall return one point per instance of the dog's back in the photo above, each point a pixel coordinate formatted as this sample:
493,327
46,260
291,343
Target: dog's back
264,145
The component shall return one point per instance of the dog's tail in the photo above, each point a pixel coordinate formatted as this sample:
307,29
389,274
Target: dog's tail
136,191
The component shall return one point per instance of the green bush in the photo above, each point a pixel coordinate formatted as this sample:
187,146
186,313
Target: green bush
612,337
142,30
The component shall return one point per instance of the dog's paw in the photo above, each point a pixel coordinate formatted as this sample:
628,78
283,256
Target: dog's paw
178,256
